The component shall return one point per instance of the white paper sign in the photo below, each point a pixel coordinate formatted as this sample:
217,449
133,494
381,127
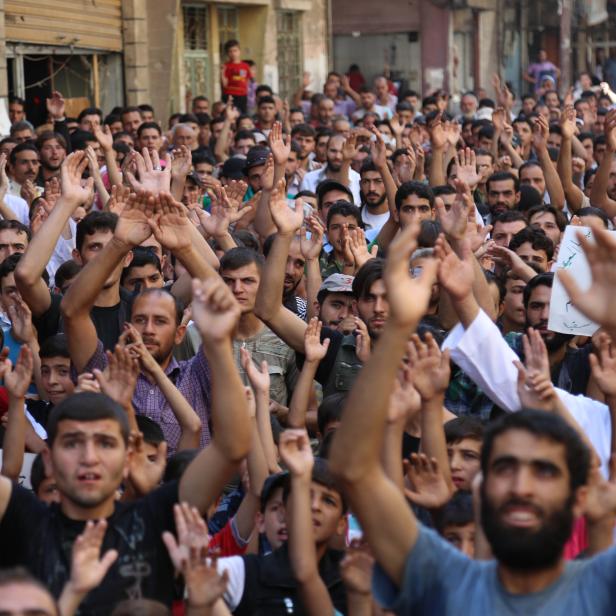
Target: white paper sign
24,475
564,317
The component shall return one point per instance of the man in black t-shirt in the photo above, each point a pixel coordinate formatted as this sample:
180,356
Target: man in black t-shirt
91,453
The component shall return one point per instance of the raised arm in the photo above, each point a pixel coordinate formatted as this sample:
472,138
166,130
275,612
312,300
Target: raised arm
311,249
29,271
438,141
573,193
552,181
105,139
268,307
598,193
388,523
216,315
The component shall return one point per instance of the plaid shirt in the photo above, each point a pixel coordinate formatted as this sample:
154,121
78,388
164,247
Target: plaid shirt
192,378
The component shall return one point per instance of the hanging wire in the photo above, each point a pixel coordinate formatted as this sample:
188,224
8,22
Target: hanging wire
49,77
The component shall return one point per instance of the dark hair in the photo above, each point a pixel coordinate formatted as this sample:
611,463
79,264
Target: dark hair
509,216
429,230
536,238
413,188
145,125
111,119
327,186
366,276
55,346
146,107
48,135
486,132
346,209
151,430
244,134
37,473
492,278
130,109
26,146
457,512
87,406
142,255
443,189
545,279
559,217
542,425
93,222
17,226
238,257
165,292
368,165
266,100
9,265
203,156
80,139
178,463
305,130
246,238
140,607
69,269
229,44
500,176
463,427
19,575
90,111
200,98
330,410
529,197
17,99
595,211
263,88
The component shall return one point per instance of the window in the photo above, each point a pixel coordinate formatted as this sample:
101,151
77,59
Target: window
196,58
290,66
227,26
195,28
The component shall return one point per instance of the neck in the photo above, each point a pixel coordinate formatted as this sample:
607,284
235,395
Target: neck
511,326
108,296
248,326
166,361
529,581
321,550
76,512
380,208
50,173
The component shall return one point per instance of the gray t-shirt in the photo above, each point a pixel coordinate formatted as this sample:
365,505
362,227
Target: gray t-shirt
438,579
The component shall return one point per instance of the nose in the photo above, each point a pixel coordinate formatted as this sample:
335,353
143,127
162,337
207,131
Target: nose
315,503
522,483
454,461
53,379
236,286
88,453
380,304
344,312
545,312
148,326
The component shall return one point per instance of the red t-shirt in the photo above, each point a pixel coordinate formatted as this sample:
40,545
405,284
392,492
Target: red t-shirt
237,75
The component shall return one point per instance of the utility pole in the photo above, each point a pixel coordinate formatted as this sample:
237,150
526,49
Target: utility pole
566,7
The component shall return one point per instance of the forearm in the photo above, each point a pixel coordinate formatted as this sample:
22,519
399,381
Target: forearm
359,604
69,600
390,188
225,241
115,175
221,151
516,160
313,284
598,193
269,296
202,248
600,535
611,405
14,443
265,431
467,309
195,262
391,456
436,172
564,168
100,187
552,181
433,442
301,395
264,225
178,181
5,211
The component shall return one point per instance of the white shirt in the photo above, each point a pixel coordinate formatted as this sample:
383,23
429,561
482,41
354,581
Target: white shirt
374,221
19,207
482,353
313,178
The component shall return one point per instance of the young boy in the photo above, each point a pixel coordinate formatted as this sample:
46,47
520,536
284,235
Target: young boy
235,76
455,522
464,436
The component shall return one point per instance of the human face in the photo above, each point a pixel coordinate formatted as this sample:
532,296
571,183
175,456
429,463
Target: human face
373,308
26,166
116,127
48,491
56,378
513,305
529,255
12,241
233,53
244,284
554,140
88,460
147,277
342,127
414,207
154,317
533,176
90,122
367,100
326,509
381,89
373,188
294,271
184,135
204,170
461,537
131,121
291,165
306,144
358,160
528,104
52,154
538,313
17,112
611,183
21,136
334,153
243,145
504,231
337,307
502,196
150,139
216,128
485,168
192,194
547,222
337,227
24,599
7,148
201,106
527,505
326,111
551,100
8,289
523,130
320,149
266,113
254,177
329,198
272,521
295,118
147,116
127,139
468,105
464,461
92,245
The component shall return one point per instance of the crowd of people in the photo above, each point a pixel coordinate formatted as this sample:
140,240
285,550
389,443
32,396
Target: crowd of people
293,356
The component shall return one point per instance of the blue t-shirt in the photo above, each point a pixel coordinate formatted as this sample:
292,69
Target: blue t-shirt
438,579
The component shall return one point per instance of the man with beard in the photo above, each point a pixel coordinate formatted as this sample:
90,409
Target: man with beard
374,209
305,136
52,148
603,193
339,158
503,193
534,465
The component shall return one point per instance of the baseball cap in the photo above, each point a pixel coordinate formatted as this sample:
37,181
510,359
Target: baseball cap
256,156
272,482
337,283
233,168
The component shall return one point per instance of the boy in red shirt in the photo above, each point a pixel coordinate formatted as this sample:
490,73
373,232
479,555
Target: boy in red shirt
235,76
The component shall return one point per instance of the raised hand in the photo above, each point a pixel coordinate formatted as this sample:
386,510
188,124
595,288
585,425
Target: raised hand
52,190
86,381
267,176
363,342
314,349
28,192
541,131
71,172
455,275
118,199
145,474
18,380
356,568
399,283
119,379
467,168
455,220
103,136
134,221
536,359
453,131
597,303
429,487
87,567
280,149
535,390
609,129
600,502
191,534
511,261
20,316
438,137
171,226
359,248
378,149
152,177
568,125
405,400
287,220
214,309
349,147
603,365
204,585
430,367
311,247
56,106
295,452
498,119
4,178
181,162
259,378
405,169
